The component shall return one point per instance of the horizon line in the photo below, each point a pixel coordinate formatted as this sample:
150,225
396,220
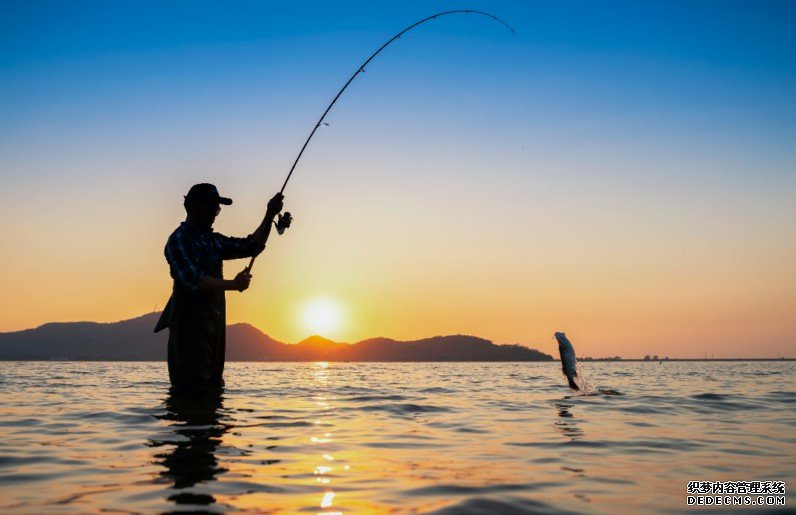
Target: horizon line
584,358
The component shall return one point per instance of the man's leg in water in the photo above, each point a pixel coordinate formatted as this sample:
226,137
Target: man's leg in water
190,356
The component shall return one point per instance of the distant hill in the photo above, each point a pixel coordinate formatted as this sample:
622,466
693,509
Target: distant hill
133,340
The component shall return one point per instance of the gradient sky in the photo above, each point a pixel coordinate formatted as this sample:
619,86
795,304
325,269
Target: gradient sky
625,173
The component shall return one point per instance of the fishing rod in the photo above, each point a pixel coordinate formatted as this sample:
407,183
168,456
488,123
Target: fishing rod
285,220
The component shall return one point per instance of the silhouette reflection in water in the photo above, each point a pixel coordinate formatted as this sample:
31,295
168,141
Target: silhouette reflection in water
196,432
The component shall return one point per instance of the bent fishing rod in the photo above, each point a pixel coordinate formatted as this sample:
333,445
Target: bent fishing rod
285,220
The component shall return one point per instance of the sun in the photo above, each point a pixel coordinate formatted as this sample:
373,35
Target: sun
322,316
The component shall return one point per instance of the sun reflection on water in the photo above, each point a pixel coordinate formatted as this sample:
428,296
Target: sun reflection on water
323,470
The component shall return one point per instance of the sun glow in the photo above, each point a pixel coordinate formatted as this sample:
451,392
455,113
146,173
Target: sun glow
322,316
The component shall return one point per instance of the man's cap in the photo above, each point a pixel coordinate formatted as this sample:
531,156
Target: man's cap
205,192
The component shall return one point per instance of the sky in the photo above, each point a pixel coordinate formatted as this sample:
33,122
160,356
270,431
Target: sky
624,172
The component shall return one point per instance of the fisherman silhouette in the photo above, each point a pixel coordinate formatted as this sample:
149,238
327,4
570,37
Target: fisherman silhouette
196,311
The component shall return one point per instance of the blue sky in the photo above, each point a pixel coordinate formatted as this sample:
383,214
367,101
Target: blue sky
719,70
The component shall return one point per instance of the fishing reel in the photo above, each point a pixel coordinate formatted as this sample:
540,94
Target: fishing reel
283,222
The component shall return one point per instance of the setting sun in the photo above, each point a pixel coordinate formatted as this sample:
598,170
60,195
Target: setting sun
322,316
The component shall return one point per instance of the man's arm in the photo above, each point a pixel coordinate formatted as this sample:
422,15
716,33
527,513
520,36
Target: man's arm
213,284
187,272
253,244
260,235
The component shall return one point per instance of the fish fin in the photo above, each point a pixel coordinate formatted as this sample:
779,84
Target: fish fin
572,384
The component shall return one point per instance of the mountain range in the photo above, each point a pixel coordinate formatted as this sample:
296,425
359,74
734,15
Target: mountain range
133,340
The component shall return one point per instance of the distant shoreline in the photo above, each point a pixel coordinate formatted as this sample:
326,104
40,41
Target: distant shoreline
608,360
132,340
629,360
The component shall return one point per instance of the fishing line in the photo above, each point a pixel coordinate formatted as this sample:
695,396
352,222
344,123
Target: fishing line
285,220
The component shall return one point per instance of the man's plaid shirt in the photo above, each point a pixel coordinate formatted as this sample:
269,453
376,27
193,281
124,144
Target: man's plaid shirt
193,253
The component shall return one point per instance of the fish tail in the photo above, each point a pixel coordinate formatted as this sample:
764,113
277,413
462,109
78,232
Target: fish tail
572,383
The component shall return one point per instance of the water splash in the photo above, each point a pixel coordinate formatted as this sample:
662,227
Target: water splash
587,389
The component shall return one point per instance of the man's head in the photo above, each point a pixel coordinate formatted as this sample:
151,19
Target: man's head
203,203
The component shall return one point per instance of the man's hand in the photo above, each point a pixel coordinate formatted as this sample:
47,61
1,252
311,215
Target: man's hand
242,280
275,205
260,235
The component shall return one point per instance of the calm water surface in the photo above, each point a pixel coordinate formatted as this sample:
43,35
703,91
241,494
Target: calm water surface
354,437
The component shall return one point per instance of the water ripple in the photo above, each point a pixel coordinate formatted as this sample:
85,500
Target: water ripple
444,438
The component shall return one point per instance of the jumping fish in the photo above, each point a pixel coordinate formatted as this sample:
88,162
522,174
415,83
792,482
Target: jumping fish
568,361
